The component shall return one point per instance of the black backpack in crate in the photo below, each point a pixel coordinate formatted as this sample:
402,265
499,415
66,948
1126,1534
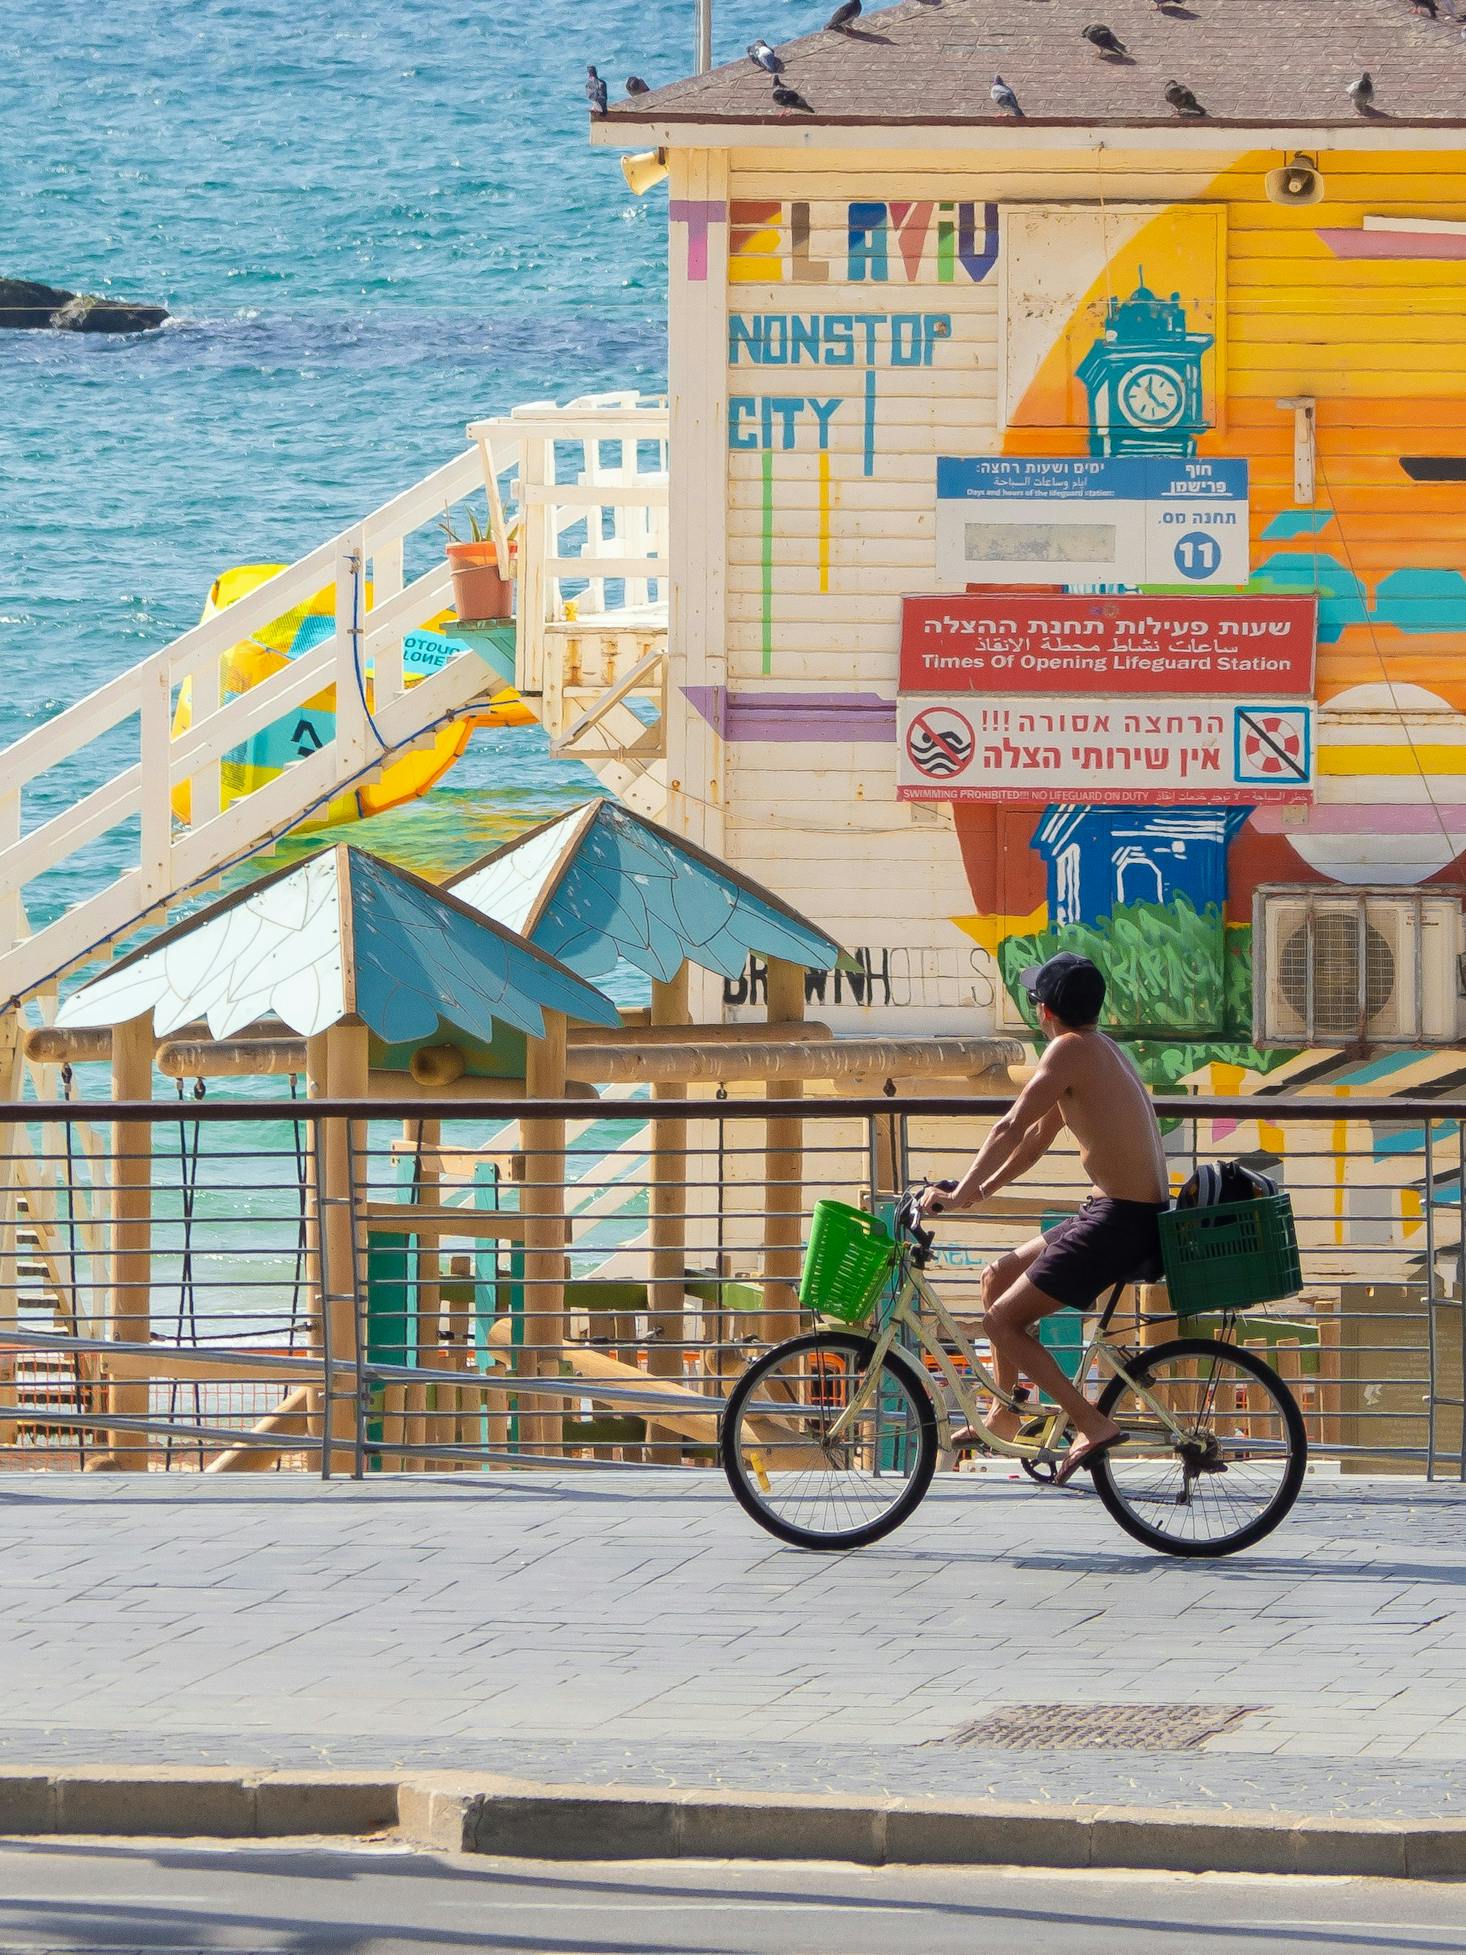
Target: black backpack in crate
1215,1182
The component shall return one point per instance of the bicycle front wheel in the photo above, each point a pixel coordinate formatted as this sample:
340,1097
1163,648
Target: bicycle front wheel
803,1479
1234,1470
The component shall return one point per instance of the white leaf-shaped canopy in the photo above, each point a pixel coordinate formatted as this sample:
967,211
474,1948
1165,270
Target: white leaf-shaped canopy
341,934
601,884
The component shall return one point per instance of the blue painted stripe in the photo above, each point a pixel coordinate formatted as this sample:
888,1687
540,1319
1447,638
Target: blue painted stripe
1297,522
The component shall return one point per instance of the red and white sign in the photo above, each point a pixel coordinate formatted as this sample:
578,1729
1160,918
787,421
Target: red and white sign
1098,749
938,742
1037,642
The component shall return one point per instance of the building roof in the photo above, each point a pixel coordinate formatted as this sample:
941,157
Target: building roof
601,884
1248,62
340,935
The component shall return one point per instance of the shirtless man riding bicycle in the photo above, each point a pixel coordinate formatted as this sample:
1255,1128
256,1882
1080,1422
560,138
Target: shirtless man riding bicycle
1083,1082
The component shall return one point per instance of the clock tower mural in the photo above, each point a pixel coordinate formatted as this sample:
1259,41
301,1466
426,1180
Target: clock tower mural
1143,378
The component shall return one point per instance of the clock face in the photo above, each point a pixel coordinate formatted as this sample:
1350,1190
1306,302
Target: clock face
1151,396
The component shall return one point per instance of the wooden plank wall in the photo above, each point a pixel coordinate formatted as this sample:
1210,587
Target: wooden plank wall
819,548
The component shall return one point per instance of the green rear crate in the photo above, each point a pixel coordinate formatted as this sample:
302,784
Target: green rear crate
1230,1256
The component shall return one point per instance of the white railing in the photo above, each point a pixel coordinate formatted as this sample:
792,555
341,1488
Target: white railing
169,859
585,519
571,487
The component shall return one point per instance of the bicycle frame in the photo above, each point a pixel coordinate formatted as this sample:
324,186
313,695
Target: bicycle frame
930,1329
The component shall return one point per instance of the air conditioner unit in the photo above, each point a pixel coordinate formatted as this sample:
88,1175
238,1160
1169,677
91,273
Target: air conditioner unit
1363,965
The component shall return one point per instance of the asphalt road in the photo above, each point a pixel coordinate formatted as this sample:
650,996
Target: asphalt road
69,1895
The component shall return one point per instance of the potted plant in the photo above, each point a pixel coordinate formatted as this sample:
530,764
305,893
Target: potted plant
480,589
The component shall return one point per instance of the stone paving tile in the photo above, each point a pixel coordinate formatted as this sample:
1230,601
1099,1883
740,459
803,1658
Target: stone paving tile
646,1631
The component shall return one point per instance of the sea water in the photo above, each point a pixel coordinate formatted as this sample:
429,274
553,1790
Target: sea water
373,220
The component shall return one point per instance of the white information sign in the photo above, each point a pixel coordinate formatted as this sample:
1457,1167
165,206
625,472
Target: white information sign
1066,520
966,747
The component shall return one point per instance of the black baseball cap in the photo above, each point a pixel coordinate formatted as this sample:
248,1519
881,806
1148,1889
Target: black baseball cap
1071,987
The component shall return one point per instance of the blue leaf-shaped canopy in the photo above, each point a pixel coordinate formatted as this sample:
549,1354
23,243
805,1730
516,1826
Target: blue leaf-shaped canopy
602,884
341,933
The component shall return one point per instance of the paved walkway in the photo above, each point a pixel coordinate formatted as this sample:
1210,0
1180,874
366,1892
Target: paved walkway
636,1627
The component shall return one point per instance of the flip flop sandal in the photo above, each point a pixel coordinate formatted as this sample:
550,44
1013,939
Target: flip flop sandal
967,1439
1087,1457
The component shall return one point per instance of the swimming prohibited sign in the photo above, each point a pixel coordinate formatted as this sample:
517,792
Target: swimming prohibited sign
1104,749
939,743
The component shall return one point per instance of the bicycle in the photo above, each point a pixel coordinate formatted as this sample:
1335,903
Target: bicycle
831,1439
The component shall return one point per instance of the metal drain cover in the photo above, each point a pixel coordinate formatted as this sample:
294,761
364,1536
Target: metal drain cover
1101,1727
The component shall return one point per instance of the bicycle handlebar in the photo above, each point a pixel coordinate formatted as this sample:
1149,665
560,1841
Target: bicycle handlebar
906,1223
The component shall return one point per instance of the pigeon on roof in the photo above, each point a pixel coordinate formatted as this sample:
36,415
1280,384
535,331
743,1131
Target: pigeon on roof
1182,100
595,92
841,18
636,86
1361,92
790,98
1256,63
1105,39
1004,100
765,57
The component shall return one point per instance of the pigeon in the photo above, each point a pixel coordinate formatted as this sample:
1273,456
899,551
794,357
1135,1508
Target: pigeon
636,86
595,92
1182,100
1105,39
841,18
790,98
763,56
1004,100
1361,92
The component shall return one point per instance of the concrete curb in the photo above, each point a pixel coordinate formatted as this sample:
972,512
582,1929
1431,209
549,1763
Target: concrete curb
192,1801
459,1813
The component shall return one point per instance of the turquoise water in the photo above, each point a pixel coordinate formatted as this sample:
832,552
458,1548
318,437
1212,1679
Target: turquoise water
374,220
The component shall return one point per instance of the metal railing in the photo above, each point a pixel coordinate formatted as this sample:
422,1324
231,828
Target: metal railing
328,1285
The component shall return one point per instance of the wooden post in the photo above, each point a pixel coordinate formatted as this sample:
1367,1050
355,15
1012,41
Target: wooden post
783,1171
668,1166
130,1312
346,1073
11,1032
317,1086
542,1203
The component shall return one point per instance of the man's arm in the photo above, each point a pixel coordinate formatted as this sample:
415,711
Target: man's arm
1017,1139
1033,1146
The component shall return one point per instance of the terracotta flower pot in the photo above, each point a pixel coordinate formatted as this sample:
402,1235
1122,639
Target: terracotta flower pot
479,592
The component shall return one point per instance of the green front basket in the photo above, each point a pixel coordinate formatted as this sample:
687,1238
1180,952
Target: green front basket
846,1264
1231,1255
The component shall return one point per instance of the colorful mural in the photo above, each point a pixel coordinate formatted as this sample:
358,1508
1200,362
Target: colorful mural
1379,544
1080,338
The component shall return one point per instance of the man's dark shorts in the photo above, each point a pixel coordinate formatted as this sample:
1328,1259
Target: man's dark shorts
1106,1243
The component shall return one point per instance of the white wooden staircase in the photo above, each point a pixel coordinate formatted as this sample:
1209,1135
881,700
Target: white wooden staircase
580,493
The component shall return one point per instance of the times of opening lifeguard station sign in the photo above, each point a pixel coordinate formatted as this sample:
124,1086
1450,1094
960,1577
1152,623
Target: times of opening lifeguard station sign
1042,696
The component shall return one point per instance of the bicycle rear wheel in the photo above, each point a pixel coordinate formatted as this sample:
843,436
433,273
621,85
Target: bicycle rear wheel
1238,1469
806,1486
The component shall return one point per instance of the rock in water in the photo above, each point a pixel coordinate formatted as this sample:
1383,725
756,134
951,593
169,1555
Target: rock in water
26,305
86,313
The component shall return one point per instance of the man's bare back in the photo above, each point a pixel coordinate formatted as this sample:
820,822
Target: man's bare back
1104,1104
